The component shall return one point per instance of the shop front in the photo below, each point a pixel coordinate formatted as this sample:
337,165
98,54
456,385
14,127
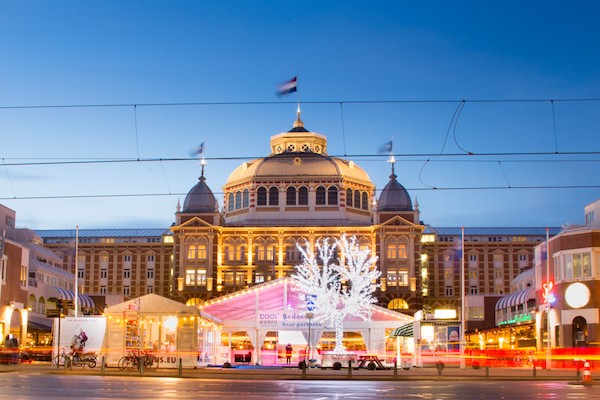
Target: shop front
165,328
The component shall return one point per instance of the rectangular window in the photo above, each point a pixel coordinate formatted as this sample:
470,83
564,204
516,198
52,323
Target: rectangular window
402,251
190,277
240,278
201,251
150,258
474,290
126,290
191,252
149,289
201,277
449,291
80,273
103,273
568,266
392,279
24,276
127,258
150,274
126,273
259,278
391,251
228,278
103,289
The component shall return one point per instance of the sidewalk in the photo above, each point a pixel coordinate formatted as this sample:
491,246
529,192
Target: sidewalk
279,373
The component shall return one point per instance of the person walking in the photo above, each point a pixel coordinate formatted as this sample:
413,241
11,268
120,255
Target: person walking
288,353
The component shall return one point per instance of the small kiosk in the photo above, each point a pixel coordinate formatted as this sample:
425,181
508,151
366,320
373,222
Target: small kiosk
166,328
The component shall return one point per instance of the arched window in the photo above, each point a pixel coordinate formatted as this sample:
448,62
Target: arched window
273,196
303,196
261,196
398,304
349,197
321,195
332,196
246,198
291,196
365,201
230,202
238,200
357,199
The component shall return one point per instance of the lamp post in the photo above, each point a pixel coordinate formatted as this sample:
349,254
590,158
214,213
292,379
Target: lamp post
310,316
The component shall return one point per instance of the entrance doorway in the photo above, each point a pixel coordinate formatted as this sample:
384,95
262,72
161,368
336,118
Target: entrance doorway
580,332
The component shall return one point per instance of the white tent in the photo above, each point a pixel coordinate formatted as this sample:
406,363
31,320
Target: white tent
167,328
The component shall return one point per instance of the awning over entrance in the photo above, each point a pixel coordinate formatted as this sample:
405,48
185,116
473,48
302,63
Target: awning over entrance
82,299
405,330
39,324
516,298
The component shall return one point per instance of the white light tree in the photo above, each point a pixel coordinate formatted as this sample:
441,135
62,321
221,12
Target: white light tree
338,287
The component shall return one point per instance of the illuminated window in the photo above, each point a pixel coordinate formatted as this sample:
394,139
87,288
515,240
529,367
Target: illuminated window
398,304
190,277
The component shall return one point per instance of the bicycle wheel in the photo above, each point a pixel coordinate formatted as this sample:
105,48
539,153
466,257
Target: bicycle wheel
123,363
151,362
57,360
91,363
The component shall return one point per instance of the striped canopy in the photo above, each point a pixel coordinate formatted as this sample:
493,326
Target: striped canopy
516,298
82,299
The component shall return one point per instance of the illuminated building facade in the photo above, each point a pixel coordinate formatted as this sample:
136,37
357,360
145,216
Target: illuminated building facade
571,275
298,194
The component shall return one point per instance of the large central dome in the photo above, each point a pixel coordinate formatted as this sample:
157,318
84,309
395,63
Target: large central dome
298,182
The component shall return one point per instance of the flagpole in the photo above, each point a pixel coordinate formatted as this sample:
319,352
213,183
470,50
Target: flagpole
76,270
462,300
548,327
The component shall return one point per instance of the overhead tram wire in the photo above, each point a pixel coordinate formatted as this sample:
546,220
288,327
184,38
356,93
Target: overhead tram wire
278,102
68,161
421,189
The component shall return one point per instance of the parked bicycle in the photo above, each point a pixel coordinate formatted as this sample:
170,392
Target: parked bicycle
59,359
132,360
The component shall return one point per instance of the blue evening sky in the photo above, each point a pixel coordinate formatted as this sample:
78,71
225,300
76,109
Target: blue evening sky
368,71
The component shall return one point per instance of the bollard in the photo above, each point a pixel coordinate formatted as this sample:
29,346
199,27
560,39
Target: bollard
395,368
440,366
180,368
103,366
350,369
141,361
487,371
578,372
304,370
534,371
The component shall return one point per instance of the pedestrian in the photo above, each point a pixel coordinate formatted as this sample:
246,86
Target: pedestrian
288,353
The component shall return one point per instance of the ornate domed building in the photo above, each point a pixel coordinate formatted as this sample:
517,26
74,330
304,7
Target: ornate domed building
297,194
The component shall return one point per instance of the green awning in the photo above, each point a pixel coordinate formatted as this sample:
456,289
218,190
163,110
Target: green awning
404,331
